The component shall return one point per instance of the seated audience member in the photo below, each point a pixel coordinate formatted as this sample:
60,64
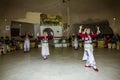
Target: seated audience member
115,38
36,43
70,40
13,44
2,40
7,43
1,44
118,37
107,41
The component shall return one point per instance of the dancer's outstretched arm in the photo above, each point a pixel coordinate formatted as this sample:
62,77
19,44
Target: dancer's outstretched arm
50,37
39,37
22,36
30,35
98,32
82,34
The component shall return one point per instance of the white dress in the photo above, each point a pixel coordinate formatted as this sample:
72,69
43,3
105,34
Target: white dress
45,47
88,49
88,52
75,43
26,44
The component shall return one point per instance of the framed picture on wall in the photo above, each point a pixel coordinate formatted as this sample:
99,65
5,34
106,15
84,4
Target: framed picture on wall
7,27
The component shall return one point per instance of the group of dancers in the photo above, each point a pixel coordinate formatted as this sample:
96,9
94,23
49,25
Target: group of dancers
86,35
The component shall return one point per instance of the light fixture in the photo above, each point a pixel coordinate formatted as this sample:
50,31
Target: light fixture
5,20
114,18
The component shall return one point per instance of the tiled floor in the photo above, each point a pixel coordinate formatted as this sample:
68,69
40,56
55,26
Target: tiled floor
63,64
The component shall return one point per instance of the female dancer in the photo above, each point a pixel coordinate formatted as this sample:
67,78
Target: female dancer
88,48
45,46
27,37
76,42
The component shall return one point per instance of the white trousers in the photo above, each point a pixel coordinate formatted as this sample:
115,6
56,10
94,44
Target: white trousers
45,50
26,45
88,55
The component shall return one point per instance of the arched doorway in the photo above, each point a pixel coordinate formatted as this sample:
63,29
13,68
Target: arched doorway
48,30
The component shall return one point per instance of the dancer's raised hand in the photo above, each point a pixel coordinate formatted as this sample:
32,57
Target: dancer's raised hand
51,33
85,29
37,34
98,28
80,27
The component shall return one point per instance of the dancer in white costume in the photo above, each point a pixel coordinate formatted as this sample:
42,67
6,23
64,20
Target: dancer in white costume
45,47
27,37
75,43
88,47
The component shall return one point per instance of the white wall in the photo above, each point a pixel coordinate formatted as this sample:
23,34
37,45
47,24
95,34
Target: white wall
79,10
55,30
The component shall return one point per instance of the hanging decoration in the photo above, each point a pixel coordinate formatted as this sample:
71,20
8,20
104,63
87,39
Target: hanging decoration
50,20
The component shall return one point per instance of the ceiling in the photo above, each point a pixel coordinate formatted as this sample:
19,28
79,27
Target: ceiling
76,6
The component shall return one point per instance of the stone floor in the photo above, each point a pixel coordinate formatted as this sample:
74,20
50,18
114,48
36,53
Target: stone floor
63,64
